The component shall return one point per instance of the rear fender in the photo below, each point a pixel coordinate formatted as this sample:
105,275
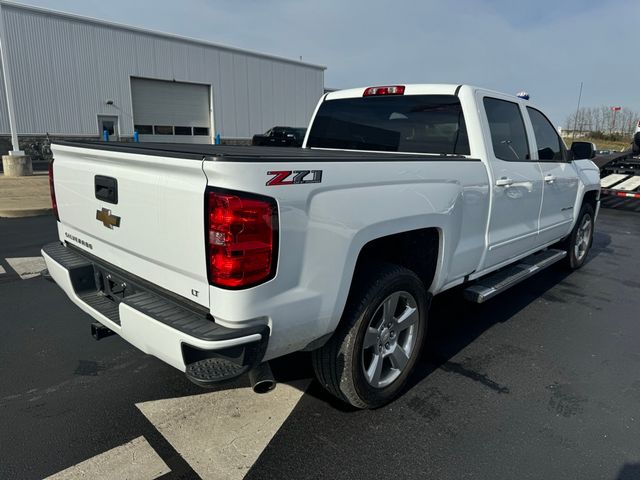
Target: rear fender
337,234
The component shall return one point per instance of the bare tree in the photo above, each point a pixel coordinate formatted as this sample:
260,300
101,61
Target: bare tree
600,120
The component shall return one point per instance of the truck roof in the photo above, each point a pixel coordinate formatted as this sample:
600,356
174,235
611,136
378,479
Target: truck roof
417,89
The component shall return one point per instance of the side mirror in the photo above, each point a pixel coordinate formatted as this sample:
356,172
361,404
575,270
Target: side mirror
582,150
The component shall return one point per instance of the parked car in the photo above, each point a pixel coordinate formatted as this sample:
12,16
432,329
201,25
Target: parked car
280,137
217,259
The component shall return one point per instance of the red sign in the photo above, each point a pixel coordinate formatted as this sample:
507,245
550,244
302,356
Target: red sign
616,109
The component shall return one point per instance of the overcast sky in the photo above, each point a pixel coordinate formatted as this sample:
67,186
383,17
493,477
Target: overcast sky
546,47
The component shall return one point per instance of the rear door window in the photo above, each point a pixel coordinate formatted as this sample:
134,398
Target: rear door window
508,134
550,146
399,123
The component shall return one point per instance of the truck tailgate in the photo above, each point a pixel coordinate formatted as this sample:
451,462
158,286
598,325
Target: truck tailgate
154,229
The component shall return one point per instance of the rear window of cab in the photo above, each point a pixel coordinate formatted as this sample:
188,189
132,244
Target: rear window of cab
392,123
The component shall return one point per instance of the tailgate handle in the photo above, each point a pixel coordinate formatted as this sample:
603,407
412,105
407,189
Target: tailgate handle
106,189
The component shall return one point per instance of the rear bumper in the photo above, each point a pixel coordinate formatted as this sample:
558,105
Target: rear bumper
154,321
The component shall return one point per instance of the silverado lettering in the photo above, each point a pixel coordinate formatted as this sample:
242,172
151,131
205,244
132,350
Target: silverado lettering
77,240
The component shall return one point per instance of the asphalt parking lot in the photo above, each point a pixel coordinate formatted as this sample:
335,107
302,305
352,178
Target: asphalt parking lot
541,382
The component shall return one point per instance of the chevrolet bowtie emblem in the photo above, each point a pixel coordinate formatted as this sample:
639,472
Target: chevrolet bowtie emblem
107,219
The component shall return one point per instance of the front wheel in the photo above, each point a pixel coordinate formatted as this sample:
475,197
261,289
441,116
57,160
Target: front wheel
370,356
580,240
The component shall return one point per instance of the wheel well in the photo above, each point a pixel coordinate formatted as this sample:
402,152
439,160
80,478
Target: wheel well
416,250
591,198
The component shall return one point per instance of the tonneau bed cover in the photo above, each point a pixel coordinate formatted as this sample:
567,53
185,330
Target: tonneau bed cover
252,153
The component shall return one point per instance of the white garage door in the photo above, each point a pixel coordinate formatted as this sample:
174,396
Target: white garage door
171,111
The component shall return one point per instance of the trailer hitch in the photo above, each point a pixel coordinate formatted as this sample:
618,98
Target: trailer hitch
99,331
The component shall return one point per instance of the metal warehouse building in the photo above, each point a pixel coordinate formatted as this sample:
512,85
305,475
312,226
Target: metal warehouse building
73,76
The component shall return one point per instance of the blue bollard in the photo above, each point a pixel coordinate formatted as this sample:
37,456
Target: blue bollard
105,135
217,139
136,137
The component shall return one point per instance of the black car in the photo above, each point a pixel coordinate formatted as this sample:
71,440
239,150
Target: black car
280,137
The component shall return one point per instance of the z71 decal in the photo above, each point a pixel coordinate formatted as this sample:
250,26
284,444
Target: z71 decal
294,177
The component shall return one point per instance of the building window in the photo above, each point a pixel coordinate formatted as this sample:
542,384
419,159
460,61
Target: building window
163,129
109,126
200,130
182,130
143,129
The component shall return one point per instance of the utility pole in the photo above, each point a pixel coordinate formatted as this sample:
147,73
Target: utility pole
613,120
16,164
7,89
575,122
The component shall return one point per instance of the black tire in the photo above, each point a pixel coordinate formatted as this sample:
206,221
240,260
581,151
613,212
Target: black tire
573,260
339,364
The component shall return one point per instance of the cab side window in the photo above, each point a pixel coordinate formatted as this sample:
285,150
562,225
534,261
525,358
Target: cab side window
550,146
508,134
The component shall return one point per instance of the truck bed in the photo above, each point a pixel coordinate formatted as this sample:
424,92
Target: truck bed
236,153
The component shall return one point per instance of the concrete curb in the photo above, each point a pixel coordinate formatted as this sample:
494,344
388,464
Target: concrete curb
25,212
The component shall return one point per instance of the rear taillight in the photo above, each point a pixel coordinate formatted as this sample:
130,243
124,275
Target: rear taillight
388,90
241,238
52,189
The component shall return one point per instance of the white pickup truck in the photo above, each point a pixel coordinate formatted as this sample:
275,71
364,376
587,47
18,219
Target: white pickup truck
217,259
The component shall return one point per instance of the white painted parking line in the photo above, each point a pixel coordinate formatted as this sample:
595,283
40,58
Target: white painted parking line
135,460
2,270
27,267
221,434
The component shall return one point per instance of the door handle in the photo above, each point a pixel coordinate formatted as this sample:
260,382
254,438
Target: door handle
504,182
550,179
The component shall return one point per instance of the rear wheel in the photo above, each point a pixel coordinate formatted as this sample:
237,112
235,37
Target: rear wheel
370,356
580,240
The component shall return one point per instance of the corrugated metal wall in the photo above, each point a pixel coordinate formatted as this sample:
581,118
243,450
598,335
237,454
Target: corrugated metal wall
65,68
4,113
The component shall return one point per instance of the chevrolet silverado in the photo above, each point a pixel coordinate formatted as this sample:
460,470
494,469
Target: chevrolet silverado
217,259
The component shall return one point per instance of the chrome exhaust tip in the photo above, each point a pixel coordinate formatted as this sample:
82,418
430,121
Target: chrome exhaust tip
261,378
